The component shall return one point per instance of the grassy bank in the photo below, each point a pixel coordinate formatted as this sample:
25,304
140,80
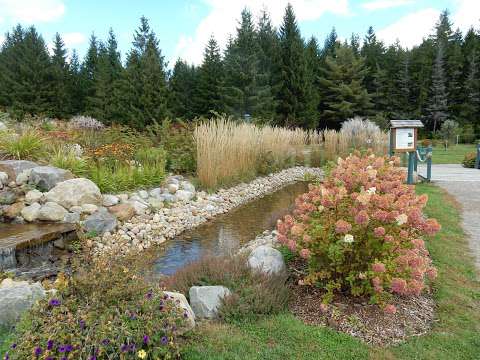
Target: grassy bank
453,155
454,336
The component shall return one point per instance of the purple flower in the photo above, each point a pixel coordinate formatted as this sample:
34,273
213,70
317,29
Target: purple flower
54,302
62,348
105,342
165,296
81,323
146,339
64,358
38,351
49,344
185,314
93,357
164,340
7,357
13,346
132,347
49,358
149,295
69,348
124,348
161,307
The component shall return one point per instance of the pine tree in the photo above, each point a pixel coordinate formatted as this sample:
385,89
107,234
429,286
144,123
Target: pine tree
309,116
343,95
74,85
26,73
454,67
61,106
184,92
373,52
331,45
211,79
142,91
438,109
293,72
471,107
88,73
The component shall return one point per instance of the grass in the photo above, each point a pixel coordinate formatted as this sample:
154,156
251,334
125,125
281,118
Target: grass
454,336
453,155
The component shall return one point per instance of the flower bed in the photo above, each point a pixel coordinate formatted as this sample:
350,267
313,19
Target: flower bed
361,232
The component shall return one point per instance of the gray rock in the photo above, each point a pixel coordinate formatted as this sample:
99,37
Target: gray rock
75,192
172,188
30,213
169,198
89,208
205,300
51,211
100,222
267,260
143,194
72,218
23,177
3,127
47,177
3,178
33,196
15,298
184,195
181,301
139,206
7,197
185,185
156,193
122,212
14,167
110,200
155,203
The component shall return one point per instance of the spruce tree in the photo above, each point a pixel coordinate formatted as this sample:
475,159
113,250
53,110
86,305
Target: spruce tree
438,108
61,106
309,117
373,52
26,73
343,93
74,85
471,107
331,45
184,92
211,79
293,72
89,72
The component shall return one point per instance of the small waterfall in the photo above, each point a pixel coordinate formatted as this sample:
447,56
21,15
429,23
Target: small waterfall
7,258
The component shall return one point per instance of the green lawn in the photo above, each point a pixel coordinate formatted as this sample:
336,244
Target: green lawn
453,155
455,335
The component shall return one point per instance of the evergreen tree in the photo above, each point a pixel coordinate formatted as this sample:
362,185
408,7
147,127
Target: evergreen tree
142,91
184,92
74,85
88,73
372,51
471,107
331,45
438,109
343,95
211,79
293,72
26,73
61,97
309,118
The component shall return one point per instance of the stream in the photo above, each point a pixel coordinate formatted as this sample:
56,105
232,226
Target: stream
226,233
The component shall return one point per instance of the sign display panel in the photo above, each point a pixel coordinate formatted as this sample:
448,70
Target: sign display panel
405,139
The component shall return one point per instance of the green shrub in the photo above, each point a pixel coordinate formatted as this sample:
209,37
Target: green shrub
106,310
469,160
29,145
177,139
253,294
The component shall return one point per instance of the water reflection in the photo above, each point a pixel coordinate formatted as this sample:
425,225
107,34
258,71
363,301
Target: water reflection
228,232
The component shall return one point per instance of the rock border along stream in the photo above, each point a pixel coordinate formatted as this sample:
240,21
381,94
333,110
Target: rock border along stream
154,228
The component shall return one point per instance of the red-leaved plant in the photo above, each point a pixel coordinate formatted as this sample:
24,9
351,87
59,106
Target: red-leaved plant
361,232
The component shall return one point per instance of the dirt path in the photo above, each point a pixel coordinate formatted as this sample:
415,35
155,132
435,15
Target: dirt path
464,185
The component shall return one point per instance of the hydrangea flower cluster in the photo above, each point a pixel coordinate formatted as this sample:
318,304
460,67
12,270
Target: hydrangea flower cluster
361,231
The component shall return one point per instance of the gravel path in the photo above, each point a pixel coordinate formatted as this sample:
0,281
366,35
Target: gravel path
464,185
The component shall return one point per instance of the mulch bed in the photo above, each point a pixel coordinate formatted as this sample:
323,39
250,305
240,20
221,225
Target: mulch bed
355,316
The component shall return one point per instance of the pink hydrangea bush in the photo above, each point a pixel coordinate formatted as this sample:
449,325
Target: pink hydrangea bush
361,231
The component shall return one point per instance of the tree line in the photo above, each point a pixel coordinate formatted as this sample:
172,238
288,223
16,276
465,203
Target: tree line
269,74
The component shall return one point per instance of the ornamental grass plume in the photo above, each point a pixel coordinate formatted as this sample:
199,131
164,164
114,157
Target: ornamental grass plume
361,232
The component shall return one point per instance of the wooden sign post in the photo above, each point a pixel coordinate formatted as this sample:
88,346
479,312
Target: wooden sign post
403,139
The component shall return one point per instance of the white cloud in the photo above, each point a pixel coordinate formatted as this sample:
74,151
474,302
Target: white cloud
2,39
385,4
410,29
73,38
31,11
223,17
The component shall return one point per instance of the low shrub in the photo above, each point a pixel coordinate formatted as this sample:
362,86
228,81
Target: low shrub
28,145
106,310
361,232
253,294
85,122
469,160
67,157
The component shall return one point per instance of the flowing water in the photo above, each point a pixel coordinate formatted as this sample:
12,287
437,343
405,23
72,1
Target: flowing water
227,232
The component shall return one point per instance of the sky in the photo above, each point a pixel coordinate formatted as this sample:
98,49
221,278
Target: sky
184,27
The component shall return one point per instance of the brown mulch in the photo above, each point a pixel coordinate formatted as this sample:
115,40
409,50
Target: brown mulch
355,316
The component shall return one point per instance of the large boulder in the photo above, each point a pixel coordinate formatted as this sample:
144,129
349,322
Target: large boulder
30,213
46,177
184,195
33,196
15,298
100,222
3,178
7,197
206,300
267,260
14,167
122,212
75,192
14,210
188,314
187,186
110,200
51,212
